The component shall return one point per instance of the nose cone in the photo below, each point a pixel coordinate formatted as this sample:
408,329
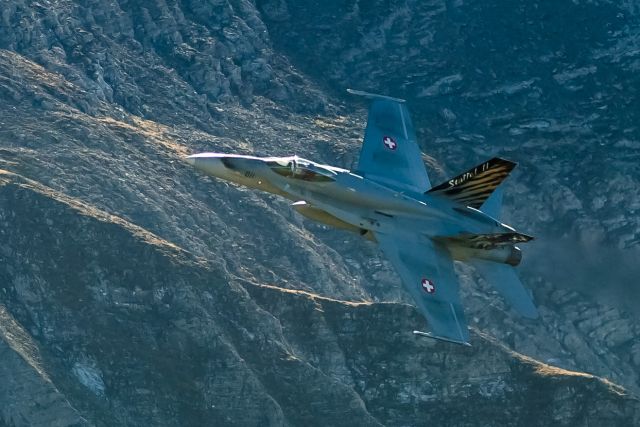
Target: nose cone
209,163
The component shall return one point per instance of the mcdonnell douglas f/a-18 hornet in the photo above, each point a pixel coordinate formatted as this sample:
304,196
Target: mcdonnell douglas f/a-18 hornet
388,199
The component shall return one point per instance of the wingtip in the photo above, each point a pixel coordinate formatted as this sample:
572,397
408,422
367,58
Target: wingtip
374,95
435,337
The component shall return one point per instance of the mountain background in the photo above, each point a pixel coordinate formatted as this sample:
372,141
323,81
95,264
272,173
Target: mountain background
134,291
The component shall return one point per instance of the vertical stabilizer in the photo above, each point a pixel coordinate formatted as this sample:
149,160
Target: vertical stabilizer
493,205
475,186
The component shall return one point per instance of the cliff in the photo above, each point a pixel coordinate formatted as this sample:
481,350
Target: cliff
135,289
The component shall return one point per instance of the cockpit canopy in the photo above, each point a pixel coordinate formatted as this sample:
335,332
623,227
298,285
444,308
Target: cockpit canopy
305,170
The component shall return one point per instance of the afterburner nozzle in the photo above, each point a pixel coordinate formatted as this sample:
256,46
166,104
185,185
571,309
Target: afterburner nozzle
515,256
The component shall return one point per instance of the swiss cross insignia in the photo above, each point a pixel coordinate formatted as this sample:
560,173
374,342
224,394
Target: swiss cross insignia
390,143
428,286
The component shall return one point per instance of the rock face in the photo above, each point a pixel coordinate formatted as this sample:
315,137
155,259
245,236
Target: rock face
136,288
28,396
142,332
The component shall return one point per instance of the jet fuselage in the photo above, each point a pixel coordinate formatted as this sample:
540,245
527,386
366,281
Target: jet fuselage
349,200
389,199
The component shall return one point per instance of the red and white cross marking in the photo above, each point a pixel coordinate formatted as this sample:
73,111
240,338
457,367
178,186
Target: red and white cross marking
428,286
389,142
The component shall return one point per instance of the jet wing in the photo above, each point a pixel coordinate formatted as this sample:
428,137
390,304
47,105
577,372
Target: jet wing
390,154
426,270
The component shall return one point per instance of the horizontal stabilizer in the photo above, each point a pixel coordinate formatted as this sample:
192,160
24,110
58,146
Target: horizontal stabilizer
493,205
506,281
474,187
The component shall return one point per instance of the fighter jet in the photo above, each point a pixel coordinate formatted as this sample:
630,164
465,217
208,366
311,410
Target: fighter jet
389,200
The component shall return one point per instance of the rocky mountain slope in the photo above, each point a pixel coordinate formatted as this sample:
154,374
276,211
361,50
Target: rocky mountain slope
105,323
135,286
